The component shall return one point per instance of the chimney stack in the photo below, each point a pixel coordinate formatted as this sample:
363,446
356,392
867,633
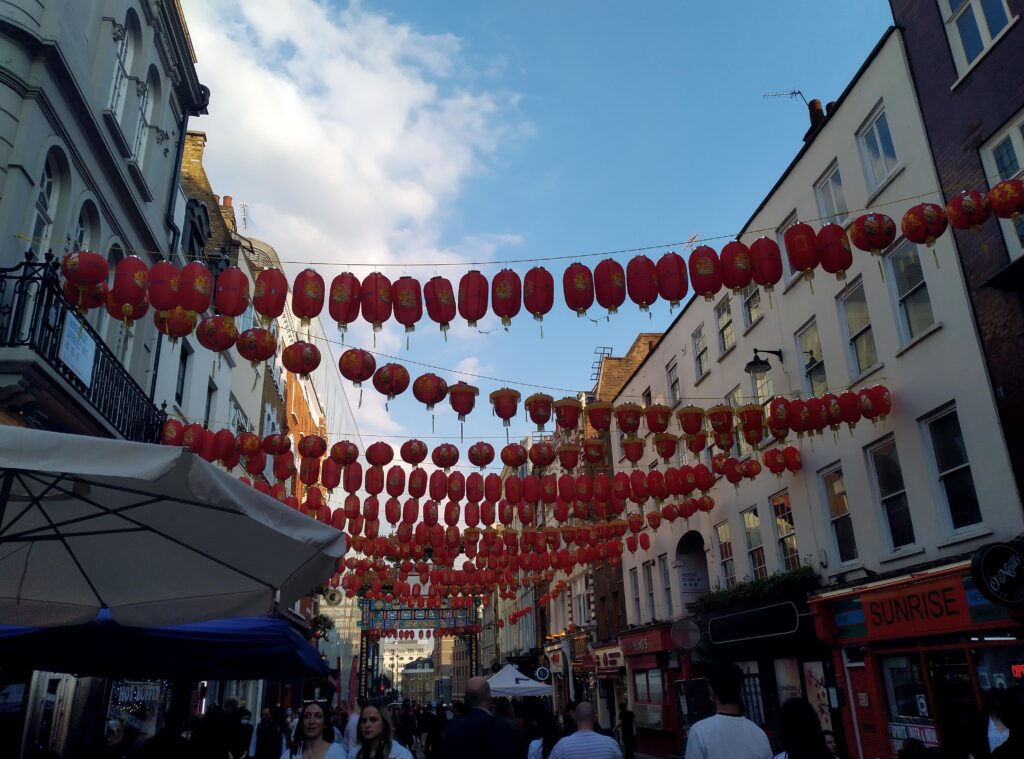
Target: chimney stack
816,113
227,201
829,107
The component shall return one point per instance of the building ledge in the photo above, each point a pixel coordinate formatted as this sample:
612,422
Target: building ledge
140,181
919,338
114,128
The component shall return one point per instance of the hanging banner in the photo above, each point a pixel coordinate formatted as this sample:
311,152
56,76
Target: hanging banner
382,615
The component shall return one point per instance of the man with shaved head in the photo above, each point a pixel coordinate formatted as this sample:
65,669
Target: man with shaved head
585,743
480,733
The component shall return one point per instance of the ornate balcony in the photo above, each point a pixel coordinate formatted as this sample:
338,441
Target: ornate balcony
56,370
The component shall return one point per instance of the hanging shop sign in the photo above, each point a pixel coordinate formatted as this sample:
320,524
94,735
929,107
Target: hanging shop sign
381,615
998,572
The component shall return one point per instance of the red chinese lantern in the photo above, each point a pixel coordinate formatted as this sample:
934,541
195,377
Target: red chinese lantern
703,477
802,249
665,443
750,469
429,389
256,464
658,417
542,454
567,413
193,437
301,358
610,285
269,294
307,296
538,406
673,281
578,288
276,444
357,366
642,281
1007,199
284,466
632,448
131,283
123,312
923,223
395,481
462,396
721,418
379,454
217,333
472,297
833,411
593,451
766,262
309,471
818,414
391,380
85,267
792,458
175,323
968,210
375,299
849,406
872,232
506,296
231,296
705,272
343,305
312,446
834,250
164,287
737,269
691,419
505,402
440,299
407,302
513,456
538,292
256,345
413,452
645,541
172,432
481,454
875,402
445,456
568,456
417,483
330,474
775,461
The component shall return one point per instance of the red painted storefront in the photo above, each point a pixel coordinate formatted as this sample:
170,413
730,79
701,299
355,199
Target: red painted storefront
652,666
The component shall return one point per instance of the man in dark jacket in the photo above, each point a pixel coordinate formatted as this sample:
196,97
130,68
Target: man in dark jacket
479,733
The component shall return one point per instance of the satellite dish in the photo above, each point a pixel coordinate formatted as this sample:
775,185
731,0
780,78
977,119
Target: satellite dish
333,597
686,633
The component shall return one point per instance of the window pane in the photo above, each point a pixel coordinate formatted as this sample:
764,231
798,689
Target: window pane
654,685
874,158
995,16
918,310
640,685
856,308
757,564
948,442
906,269
790,555
897,512
818,381
970,38
752,526
836,491
961,497
783,514
888,149
845,541
864,348
809,341
887,469
1006,159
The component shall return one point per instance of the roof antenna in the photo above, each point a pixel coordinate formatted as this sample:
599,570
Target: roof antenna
791,95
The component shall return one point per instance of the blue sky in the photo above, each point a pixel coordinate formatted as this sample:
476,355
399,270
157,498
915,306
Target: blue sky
415,132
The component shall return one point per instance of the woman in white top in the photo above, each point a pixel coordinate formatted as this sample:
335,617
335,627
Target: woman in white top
375,741
313,739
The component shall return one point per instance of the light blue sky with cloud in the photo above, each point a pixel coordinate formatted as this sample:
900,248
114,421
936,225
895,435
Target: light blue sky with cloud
416,133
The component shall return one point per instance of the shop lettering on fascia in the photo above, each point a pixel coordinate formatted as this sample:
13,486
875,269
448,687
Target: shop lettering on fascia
909,646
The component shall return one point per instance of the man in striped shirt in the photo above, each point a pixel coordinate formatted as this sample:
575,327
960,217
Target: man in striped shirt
585,743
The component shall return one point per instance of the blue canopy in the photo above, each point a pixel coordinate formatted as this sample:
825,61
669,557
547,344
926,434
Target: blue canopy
239,648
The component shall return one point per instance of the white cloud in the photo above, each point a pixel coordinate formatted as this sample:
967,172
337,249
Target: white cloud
347,133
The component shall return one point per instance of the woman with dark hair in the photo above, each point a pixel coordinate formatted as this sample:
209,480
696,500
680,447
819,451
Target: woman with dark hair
314,737
549,735
800,734
375,740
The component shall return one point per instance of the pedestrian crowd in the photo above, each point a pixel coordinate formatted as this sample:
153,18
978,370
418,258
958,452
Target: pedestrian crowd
496,728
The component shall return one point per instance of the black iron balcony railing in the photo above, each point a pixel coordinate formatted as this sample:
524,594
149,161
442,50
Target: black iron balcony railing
34,314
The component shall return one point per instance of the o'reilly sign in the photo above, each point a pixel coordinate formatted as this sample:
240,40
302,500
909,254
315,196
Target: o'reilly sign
998,572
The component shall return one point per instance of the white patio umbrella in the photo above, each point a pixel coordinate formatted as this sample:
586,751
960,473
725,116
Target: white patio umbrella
152,532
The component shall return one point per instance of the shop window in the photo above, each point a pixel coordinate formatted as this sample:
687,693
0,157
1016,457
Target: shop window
755,544
892,493
725,552
954,469
789,557
907,702
809,347
839,515
647,686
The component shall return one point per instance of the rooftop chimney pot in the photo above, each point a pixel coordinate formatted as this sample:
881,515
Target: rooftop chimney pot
227,201
816,112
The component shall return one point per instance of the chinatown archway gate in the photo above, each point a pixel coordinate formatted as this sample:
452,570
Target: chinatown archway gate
381,619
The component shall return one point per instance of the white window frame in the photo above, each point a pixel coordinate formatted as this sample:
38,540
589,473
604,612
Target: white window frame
851,348
672,379
956,45
740,449
871,128
124,56
1014,237
758,570
780,238
666,581
940,488
634,583
701,361
880,500
826,503
751,302
47,198
145,108
726,331
810,365
784,535
898,299
646,398
648,567
727,564
831,209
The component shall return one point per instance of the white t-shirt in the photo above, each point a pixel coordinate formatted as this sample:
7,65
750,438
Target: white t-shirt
725,736
334,751
398,751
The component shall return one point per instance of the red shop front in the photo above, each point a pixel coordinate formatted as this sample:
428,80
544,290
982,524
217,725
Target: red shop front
914,656
652,666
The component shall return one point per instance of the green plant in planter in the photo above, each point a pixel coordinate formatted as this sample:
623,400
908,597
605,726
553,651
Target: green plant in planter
781,586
